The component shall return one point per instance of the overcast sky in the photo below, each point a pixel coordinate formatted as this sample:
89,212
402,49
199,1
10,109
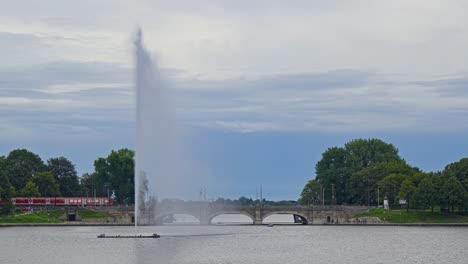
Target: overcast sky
264,87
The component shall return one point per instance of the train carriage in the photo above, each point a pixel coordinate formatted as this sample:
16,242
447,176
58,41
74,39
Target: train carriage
60,201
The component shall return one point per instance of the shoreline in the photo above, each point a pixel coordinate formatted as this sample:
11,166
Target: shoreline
274,225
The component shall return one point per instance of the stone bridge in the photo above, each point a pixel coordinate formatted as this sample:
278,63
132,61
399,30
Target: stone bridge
205,212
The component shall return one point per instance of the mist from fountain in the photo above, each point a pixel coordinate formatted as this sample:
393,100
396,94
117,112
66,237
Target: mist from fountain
156,155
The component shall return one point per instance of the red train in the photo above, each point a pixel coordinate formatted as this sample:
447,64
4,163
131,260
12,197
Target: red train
65,201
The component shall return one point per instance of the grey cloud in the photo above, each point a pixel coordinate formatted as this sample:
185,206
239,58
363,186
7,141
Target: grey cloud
246,7
21,49
455,87
65,99
311,81
80,96
65,72
304,81
333,101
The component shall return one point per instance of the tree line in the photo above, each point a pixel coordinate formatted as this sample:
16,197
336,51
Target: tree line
244,201
364,171
24,173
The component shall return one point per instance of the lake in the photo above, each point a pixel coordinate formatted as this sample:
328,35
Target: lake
236,244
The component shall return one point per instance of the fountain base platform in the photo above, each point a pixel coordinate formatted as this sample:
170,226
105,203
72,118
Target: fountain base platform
131,236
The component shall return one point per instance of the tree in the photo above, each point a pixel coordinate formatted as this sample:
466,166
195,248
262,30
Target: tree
20,167
453,194
458,169
366,152
390,186
101,176
2,164
332,169
339,164
418,177
364,184
46,183
311,193
425,195
65,175
87,185
30,190
406,191
117,170
244,201
6,189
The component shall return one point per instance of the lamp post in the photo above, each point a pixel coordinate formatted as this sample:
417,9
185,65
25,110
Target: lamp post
106,185
378,196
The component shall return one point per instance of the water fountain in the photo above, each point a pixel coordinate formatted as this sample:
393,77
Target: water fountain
157,159
155,135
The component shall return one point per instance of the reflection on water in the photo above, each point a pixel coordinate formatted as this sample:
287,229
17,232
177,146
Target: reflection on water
185,219
236,219
236,244
232,219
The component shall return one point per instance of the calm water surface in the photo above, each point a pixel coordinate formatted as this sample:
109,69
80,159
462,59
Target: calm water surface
236,244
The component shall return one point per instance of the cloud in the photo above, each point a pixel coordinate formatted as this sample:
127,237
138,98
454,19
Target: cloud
99,96
243,66
219,39
449,86
65,100
21,49
334,101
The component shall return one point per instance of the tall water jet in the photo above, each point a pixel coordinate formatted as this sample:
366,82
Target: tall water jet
164,168
155,158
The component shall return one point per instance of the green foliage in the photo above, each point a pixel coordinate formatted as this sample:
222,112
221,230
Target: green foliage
339,165
406,191
418,177
87,214
30,190
241,201
2,166
6,188
363,166
390,187
459,170
6,192
117,170
311,193
333,169
425,195
46,183
44,216
21,165
363,153
412,216
87,185
453,194
65,174
363,184
7,208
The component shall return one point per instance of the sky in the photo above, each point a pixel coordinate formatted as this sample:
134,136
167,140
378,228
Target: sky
262,87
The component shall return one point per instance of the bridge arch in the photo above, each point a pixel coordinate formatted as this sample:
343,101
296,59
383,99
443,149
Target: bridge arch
212,216
160,217
298,217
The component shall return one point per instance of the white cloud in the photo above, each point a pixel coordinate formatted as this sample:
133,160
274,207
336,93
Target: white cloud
79,87
241,65
215,39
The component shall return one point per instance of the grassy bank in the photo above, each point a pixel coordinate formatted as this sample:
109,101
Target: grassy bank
413,216
91,214
51,216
